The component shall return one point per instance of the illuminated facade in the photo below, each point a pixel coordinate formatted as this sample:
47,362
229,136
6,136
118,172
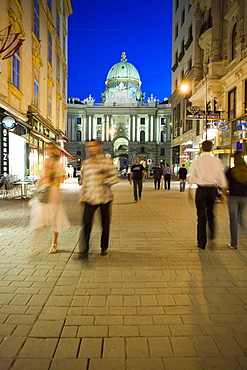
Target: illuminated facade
33,82
210,54
127,123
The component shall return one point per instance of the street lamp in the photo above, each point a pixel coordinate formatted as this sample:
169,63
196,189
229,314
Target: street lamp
184,87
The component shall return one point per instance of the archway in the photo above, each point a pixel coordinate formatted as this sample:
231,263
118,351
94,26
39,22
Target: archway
120,153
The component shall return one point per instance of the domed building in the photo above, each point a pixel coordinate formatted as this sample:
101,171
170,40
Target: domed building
127,123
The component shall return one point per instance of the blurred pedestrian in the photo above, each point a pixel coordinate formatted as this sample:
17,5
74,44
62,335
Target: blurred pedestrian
237,199
167,172
137,173
157,176
98,176
207,173
162,183
47,207
182,175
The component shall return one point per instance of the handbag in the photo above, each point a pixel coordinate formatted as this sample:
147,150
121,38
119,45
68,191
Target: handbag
42,194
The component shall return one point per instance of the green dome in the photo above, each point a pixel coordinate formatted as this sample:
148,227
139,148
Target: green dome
123,70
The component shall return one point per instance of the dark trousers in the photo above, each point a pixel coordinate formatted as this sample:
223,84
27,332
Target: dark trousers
137,184
87,220
205,198
167,181
157,182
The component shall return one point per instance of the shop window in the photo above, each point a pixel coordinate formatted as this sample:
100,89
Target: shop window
16,61
36,18
232,104
234,41
49,48
142,136
78,135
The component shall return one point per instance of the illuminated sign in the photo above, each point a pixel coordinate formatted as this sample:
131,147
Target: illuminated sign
223,126
8,122
5,150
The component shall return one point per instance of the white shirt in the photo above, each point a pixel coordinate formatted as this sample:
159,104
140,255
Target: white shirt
207,170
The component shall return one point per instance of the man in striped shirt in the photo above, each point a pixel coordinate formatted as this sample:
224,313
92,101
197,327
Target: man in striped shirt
98,176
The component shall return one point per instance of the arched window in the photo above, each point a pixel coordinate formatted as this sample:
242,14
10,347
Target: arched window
78,135
142,136
163,136
142,149
234,41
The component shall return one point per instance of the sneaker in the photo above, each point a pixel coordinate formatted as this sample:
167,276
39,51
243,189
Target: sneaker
103,252
231,246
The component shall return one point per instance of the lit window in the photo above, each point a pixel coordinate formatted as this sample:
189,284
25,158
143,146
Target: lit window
36,19
16,69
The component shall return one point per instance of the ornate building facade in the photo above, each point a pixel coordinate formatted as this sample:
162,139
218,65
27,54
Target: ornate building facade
33,82
127,124
210,55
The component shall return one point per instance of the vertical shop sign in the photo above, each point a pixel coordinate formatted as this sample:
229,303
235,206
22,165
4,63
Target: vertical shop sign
5,151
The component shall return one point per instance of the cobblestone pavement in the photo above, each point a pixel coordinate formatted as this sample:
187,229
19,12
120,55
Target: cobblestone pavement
154,302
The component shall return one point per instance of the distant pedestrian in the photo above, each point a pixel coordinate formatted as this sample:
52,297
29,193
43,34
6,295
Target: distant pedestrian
237,199
182,175
98,176
207,173
157,176
162,183
137,173
167,176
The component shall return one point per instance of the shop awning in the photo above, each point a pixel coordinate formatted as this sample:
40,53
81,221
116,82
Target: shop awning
69,155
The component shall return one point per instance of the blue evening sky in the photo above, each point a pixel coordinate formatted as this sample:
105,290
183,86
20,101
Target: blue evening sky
100,30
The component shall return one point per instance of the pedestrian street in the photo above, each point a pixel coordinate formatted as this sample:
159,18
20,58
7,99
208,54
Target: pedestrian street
153,302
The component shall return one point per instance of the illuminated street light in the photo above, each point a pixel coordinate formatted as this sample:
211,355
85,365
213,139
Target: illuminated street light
184,88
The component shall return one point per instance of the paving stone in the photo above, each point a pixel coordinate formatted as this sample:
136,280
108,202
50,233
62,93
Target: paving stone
114,348
107,364
38,348
10,346
92,331
145,364
68,364
31,364
47,329
185,363
160,347
137,347
67,348
90,348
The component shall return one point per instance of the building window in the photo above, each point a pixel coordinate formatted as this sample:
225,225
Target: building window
78,152
163,136
245,96
189,64
176,5
163,120
234,41
142,121
16,61
99,120
58,68
78,135
99,135
49,104
78,120
142,149
58,24
182,17
142,136
176,31
162,151
232,104
36,19
36,87
49,4
49,48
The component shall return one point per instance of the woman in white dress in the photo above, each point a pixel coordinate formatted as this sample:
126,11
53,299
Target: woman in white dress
52,212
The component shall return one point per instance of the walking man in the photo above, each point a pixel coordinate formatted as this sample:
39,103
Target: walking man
137,173
98,176
157,176
182,174
207,173
167,175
